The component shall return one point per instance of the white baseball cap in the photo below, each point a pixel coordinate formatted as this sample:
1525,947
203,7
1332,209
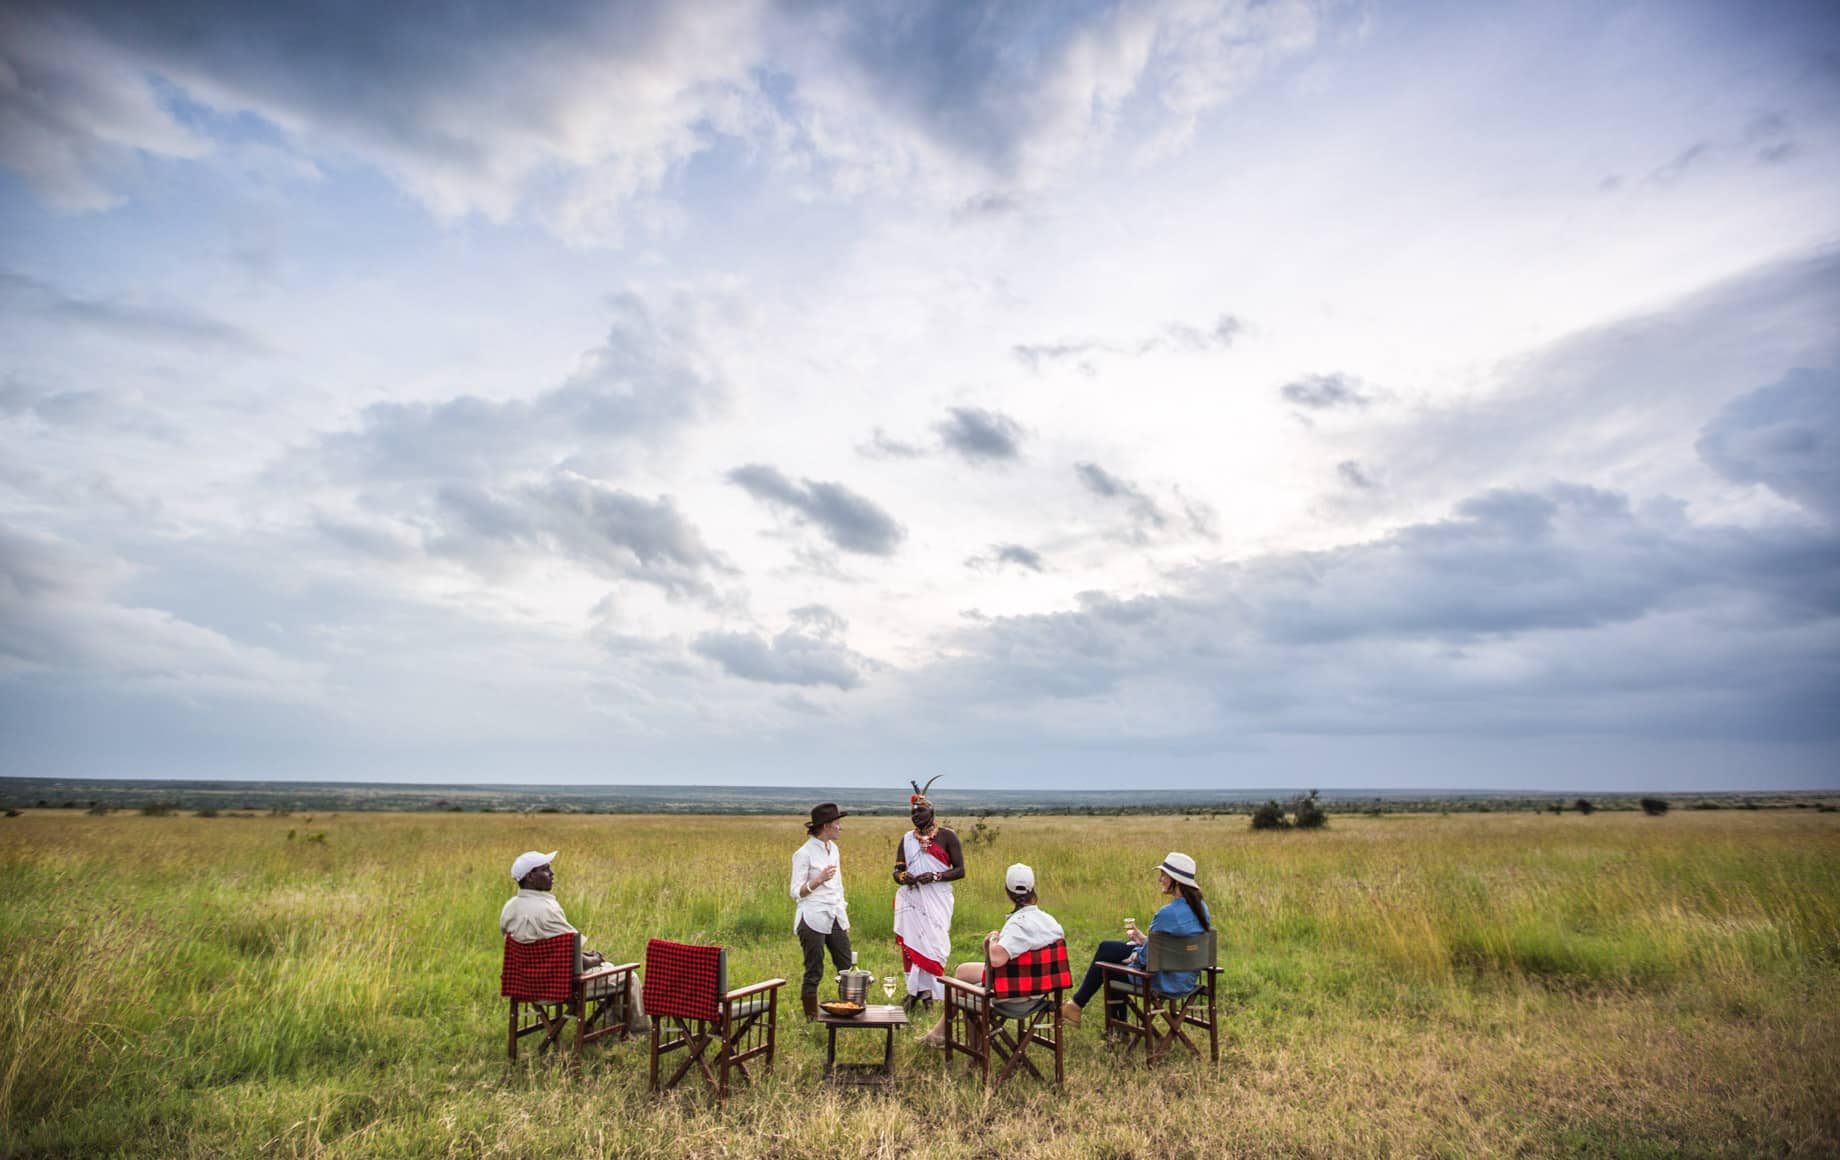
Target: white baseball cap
1019,879
529,860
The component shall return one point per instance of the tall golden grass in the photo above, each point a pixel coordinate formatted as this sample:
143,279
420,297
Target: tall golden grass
1482,984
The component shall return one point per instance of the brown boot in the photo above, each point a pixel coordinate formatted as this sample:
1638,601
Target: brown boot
811,1006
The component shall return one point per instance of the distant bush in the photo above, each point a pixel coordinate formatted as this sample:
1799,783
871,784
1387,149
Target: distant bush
1308,813
159,809
1707,806
1584,806
97,810
11,812
1654,807
207,812
1270,816
982,834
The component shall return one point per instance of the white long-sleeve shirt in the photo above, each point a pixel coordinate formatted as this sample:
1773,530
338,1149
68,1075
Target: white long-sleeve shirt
824,907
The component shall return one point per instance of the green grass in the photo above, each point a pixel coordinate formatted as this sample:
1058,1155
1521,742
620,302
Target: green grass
1479,984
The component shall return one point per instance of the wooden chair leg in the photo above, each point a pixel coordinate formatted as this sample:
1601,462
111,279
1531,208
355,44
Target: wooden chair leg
1213,1024
772,1026
1060,1074
579,1008
654,1079
986,1037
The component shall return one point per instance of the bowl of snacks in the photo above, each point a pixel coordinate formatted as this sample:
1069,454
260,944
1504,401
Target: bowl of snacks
840,1010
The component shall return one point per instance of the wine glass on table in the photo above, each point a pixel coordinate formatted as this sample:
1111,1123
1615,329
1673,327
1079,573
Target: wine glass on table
888,986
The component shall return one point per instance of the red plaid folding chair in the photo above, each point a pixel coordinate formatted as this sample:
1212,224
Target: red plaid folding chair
1137,1013
692,1010
1018,1004
548,988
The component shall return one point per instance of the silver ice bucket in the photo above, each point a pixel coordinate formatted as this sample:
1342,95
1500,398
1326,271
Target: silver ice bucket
853,986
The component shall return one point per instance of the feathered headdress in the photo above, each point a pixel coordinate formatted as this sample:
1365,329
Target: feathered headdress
919,795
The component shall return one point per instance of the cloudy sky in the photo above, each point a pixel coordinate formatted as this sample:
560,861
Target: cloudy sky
1100,394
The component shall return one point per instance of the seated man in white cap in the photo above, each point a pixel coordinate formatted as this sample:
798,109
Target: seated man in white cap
1028,928
533,914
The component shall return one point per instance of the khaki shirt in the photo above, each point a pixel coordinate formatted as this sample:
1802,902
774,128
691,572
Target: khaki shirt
533,915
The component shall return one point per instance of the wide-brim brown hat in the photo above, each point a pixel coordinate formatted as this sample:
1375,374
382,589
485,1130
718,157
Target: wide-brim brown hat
824,815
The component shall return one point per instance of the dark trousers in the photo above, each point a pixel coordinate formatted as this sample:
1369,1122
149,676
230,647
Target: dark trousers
1110,951
813,944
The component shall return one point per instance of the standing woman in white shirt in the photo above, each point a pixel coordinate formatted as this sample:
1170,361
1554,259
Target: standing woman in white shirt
823,918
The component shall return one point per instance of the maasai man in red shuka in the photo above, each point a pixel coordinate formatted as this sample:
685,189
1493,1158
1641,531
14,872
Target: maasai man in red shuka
926,864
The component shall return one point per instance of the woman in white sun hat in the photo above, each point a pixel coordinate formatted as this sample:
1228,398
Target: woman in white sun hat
1185,913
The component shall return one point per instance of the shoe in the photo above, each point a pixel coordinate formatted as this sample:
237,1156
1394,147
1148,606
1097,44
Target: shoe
908,1004
1070,1013
810,1003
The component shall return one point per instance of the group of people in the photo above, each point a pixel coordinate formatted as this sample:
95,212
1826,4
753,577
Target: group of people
927,861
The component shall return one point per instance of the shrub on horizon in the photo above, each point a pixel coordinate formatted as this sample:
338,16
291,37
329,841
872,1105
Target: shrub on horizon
1654,807
1584,806
1270,816
1308,813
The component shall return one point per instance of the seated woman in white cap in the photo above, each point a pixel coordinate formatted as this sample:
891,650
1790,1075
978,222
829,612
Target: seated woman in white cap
1028,928
1185,913
533,914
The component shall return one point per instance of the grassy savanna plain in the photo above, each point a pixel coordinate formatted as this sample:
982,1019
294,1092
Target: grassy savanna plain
1474,985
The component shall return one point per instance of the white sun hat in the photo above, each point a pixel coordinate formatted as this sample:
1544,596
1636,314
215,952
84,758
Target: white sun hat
1180,867
529,860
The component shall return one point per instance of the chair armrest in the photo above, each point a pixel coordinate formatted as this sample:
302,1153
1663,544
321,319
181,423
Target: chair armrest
973,989
756,989
1121,969
606,970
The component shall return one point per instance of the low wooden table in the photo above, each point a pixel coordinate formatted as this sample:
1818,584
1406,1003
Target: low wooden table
879,1074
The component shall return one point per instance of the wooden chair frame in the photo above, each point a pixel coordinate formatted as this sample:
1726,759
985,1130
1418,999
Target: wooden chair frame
737,1036
597,995
989,1031
1144,1007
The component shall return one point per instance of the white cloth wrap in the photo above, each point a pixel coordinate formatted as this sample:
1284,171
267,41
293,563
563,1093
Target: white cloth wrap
923,916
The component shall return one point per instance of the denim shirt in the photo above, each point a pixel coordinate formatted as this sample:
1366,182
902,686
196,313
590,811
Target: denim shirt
1175,917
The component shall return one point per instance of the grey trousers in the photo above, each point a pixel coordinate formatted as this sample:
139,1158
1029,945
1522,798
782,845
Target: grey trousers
813,944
